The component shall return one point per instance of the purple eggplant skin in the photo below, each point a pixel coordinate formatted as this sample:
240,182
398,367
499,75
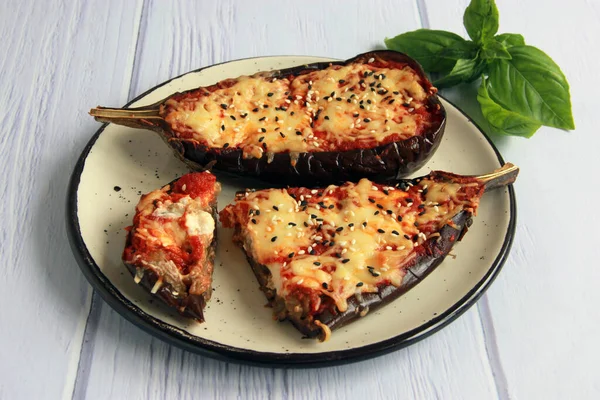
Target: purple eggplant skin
382,163
188,305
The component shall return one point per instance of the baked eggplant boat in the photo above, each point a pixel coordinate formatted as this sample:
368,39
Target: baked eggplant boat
374,116
326,257
170,247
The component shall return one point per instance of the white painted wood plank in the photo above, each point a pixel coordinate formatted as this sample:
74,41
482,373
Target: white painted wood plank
57,60
125,362
543,307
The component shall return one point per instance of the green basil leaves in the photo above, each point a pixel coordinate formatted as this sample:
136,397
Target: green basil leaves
522,87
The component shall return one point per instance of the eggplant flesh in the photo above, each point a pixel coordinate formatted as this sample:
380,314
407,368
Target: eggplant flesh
435,249
383,162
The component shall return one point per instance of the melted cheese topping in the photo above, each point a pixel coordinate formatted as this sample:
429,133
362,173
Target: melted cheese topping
341,241
344,107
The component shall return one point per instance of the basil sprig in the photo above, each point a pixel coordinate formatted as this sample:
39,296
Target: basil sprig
521,88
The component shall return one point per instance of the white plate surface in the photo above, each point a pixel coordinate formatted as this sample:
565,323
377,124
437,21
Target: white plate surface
237,323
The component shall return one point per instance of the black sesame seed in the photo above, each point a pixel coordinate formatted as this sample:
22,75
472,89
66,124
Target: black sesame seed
312,252
224,106
385,192
371,200
425,191
222,127
345,260
331,206
291,255
331,244
253,221
415,238
406,104
306,224
324,284
281,134
270,94
380,206
341,228
313,216
396,92
380,230
266,106
292,224
243,115
332,94
263,130
391,101
292,113
369,101
317,263
406,237
367,120
379,85
226,145
274,238
326,98
275,208
232,117
364,224
409,200
326,117
257,212
421,206
255,110
359,284
362,107
342,81
376,212
338,99
355,115
422,212
389,211
350,225
260,139
262,119
416,224
395,232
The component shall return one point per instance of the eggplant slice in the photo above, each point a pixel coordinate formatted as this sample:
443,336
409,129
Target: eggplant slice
326,257
374,116
170,247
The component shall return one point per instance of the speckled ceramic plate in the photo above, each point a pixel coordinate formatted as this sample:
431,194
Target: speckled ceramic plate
120,163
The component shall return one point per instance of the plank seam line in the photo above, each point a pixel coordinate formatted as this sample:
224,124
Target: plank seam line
423,16
137,52
91,325
491,348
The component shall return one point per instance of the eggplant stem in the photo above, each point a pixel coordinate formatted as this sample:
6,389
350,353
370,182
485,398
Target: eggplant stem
107,114
503,176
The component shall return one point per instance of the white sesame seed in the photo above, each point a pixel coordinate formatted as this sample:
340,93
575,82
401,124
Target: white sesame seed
301,252
388,247
353,241
371,60
300,281
401,248
344,251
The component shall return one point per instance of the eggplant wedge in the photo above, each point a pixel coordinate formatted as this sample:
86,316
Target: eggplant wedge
170,247
375,116
326,257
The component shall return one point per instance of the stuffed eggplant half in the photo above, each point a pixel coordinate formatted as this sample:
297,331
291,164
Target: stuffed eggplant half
170,248
326,257
374,116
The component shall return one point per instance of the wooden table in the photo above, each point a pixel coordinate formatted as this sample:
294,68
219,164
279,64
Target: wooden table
535,334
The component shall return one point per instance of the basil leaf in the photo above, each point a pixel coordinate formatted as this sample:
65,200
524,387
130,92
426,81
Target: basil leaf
481,20
493,49
464,49
502,120
425,46
462,72
533,85
510,39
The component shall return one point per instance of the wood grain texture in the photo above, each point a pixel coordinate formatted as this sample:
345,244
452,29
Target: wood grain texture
204,33
541,312
532,336
55,63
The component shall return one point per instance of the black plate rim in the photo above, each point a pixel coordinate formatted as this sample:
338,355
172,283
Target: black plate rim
178,337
